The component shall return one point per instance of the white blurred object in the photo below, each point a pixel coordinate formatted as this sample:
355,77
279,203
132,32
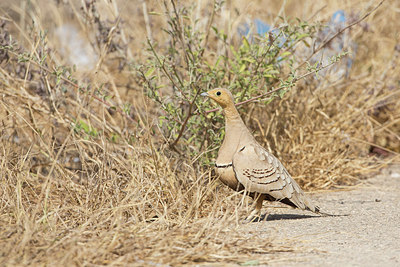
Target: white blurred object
76,49
395,175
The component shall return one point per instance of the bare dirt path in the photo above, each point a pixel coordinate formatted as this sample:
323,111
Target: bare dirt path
369,236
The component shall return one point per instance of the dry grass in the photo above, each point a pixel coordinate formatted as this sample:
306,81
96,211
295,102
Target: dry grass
83,184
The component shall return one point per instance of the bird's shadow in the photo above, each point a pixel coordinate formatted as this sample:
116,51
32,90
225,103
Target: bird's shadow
277,217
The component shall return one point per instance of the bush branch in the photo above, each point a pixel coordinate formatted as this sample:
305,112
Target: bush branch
296,79
340,32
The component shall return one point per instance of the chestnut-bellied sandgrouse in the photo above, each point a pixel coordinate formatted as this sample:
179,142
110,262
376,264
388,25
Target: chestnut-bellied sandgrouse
243,164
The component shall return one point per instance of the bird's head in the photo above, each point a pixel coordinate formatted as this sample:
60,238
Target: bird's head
220,95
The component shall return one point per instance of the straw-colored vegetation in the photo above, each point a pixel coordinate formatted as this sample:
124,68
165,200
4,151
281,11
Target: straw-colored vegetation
88,175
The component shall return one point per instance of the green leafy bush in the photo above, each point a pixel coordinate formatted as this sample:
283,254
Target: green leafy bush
185,65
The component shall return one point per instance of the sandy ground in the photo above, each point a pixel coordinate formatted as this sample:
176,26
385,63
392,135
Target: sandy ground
368,236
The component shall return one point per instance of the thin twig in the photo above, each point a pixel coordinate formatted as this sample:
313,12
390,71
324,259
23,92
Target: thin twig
340,32
147,21
210,21
118,109
266,52
296,79
189,114
176,23
315,51
162,65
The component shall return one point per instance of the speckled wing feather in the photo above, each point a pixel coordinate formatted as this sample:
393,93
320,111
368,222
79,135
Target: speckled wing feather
261,172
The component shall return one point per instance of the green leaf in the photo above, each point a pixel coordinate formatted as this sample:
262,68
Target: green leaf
149,72
281,93
153,13
306,43
303,35
217,62
249,59
84,126
246,44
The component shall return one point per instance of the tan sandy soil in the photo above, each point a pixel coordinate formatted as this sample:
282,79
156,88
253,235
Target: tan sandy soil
368,236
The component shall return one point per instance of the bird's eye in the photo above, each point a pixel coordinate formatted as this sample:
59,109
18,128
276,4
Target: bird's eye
218,93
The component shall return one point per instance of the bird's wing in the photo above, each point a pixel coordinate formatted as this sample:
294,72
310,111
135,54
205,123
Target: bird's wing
261,172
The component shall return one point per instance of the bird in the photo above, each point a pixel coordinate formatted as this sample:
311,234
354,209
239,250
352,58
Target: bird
244,165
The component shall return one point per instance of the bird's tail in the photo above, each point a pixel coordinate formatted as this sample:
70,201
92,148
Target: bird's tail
319,212
303,202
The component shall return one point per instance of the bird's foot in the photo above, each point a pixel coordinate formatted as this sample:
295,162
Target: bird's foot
251,219
254,216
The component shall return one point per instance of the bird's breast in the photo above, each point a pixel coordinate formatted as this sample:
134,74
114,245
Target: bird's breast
227,176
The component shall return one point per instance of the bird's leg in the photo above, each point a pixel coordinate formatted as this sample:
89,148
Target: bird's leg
255,215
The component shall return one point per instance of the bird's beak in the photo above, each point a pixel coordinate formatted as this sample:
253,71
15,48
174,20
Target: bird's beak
204,94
